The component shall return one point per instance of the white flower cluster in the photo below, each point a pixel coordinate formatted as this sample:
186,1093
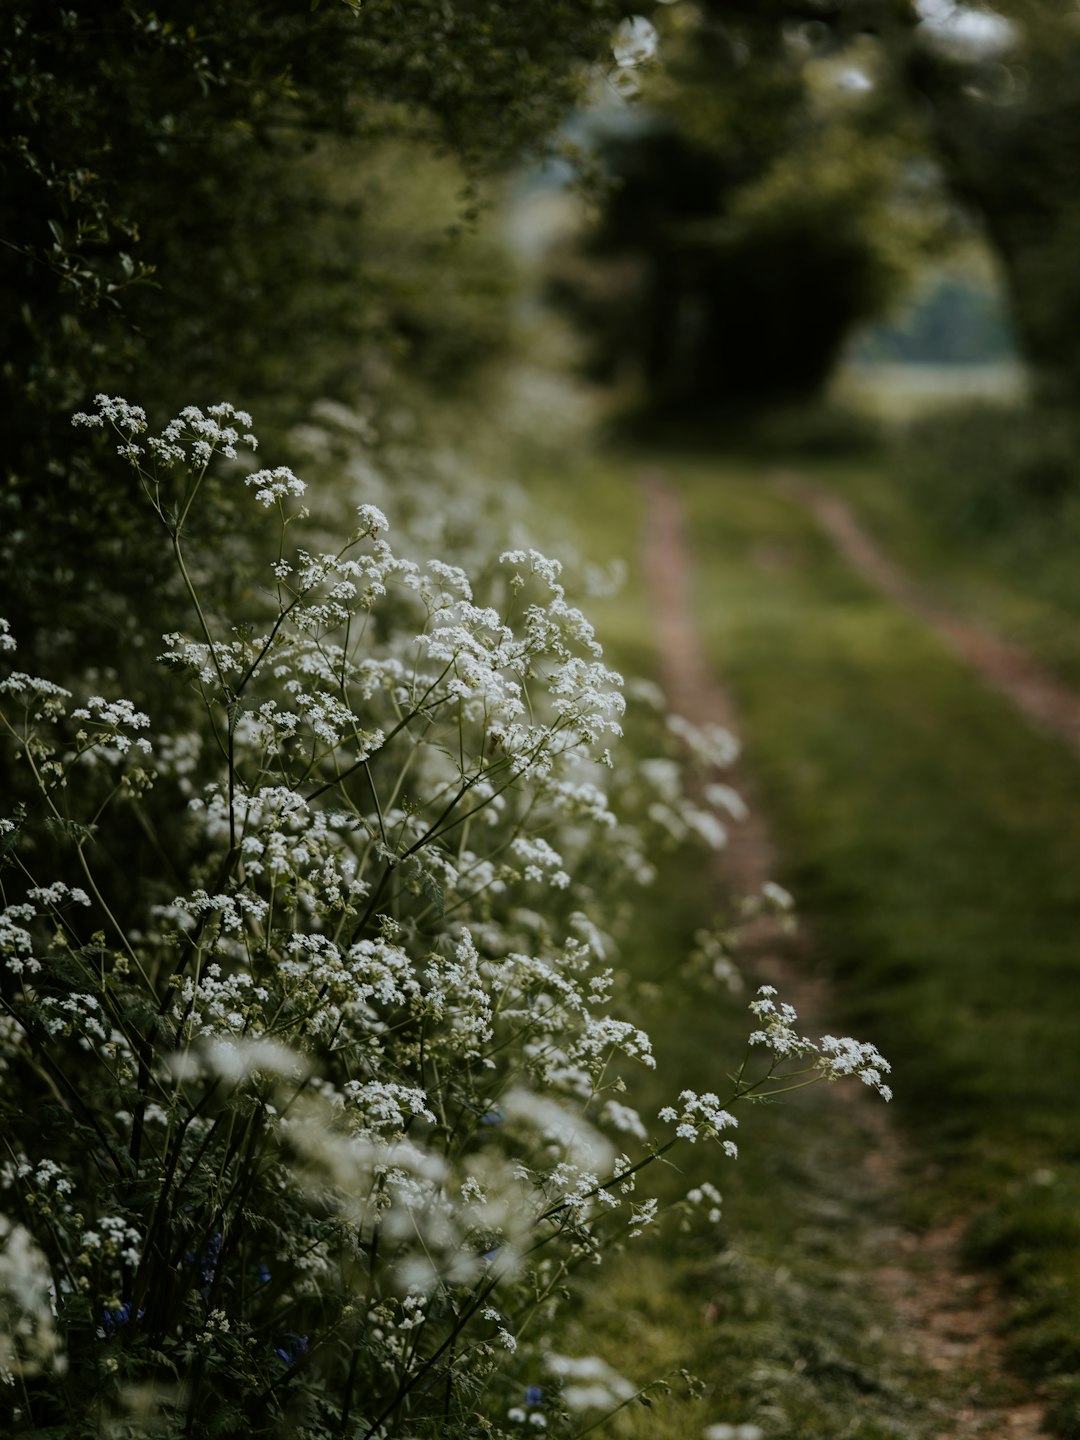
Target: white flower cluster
777,1026
192,438
275,485
113,1236
707,1197
110,718
588,1382
16,941
701,1117
129,419
542,862
58,893
830,1057
29,1343
43,698
845,1056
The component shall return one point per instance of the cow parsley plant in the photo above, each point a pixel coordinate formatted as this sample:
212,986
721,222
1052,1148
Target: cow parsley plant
315,1100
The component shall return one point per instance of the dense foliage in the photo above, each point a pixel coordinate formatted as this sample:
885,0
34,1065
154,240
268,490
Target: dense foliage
1005,111
196,195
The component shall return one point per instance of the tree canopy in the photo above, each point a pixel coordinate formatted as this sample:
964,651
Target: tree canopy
197,196
1004,108
767,200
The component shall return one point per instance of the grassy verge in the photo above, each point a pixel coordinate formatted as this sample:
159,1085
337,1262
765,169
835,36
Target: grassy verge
776,1311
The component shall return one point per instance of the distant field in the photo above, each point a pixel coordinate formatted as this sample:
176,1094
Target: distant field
900,392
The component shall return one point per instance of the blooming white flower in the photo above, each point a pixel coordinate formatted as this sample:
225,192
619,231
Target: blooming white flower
701,1116
275,485
372,519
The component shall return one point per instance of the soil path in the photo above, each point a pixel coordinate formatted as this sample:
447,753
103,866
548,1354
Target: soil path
947,1318
1047,703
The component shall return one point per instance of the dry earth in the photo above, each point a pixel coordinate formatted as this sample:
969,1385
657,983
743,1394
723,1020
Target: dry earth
937,1311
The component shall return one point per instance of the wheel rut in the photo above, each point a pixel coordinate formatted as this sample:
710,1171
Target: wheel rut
1048,704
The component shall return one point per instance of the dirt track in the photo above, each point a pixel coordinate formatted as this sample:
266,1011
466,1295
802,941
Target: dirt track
940,1313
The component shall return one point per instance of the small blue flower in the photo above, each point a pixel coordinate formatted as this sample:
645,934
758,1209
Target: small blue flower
207,1261
534,1396
114,1320
291,1347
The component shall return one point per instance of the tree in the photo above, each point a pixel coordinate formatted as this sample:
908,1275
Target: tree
764,204
1004,106
182,200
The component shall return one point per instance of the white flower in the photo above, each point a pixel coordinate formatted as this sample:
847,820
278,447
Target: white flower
57,893
372,519
590,1382
116,410
701,1116
777,896
275,485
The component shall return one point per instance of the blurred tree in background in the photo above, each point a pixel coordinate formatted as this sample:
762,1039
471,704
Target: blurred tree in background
213,200
794,161
769,196
1004,107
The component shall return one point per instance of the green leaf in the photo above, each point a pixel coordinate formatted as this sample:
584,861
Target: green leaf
70,829
431,888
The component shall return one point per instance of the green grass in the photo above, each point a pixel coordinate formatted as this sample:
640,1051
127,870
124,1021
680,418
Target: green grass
932,840
770,1309
776,1312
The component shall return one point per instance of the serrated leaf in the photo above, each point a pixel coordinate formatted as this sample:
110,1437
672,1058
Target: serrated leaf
70,829
431,888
